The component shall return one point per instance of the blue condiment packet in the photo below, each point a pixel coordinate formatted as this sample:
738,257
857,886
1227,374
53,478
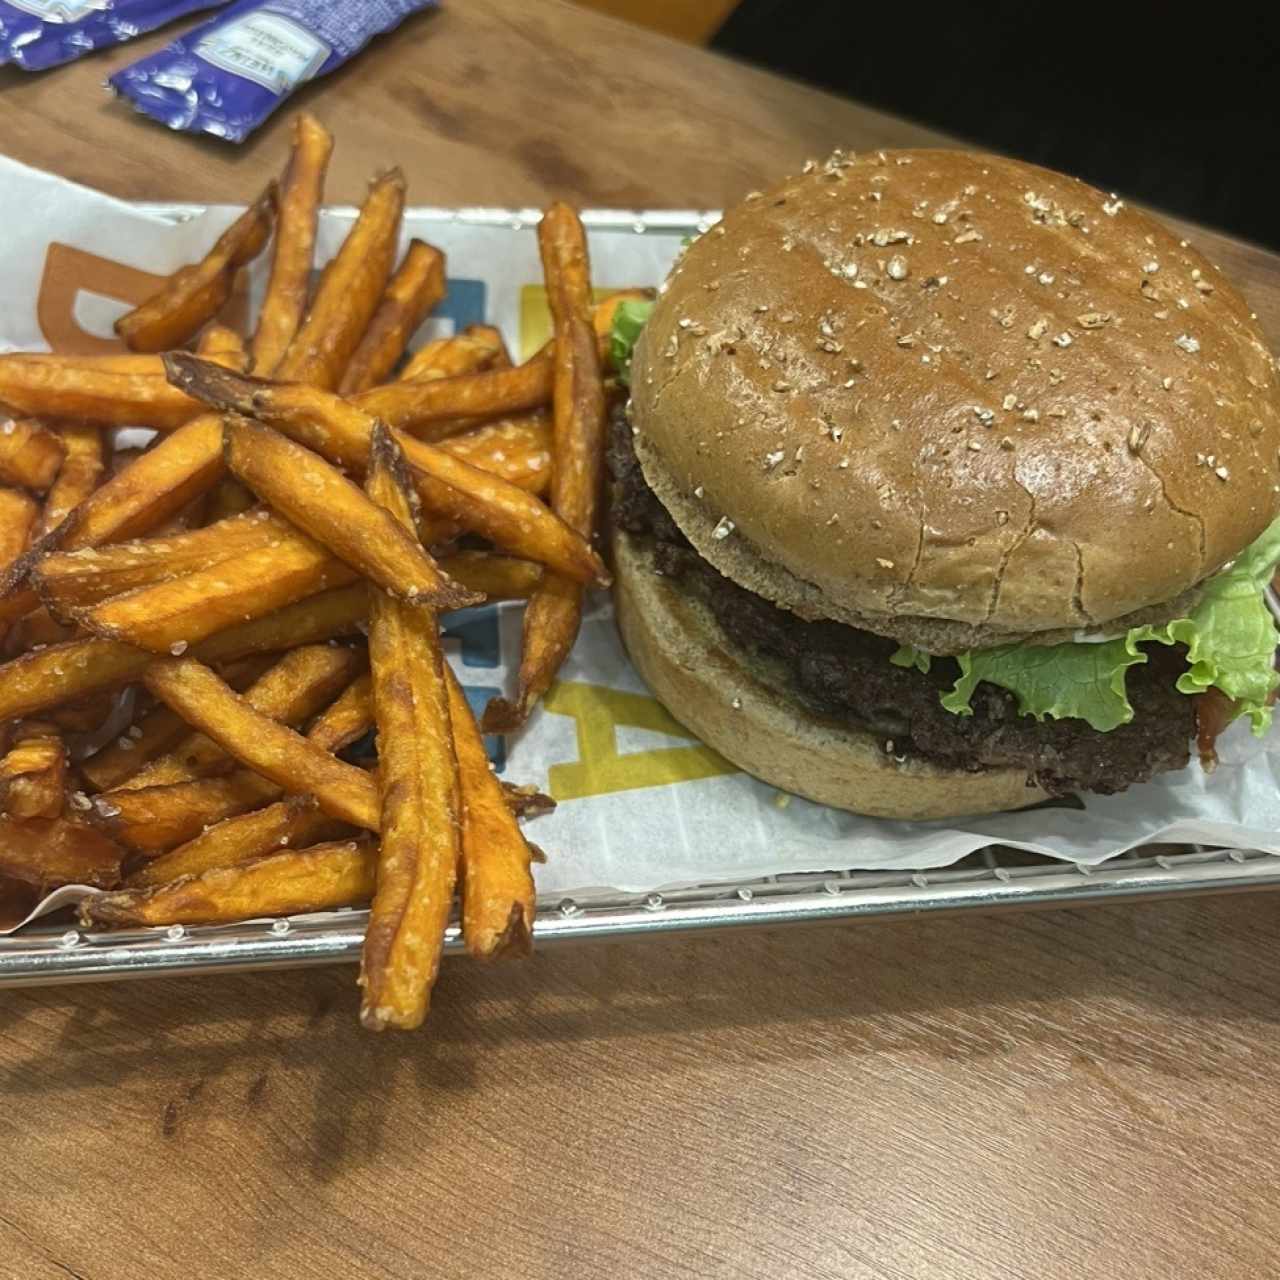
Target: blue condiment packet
35,34
227,76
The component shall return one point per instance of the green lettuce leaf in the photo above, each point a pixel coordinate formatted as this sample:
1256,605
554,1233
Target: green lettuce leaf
1230,637
907,656
630,317
1083,681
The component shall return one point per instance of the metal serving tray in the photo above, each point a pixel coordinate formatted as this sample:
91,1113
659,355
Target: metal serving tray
991,880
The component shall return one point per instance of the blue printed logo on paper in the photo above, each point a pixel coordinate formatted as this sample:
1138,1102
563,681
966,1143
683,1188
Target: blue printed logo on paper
463,304
267,48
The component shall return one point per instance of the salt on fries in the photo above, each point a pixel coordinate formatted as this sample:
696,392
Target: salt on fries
236,606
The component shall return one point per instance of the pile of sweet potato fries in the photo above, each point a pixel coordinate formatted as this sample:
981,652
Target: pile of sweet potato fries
198,630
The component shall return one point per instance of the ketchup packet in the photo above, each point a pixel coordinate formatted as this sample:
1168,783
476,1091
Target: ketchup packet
227,76
35,34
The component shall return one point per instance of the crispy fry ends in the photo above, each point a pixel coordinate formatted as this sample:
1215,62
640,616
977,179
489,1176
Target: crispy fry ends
554,613
306,489
412,293
497,885
290,280
290,883
475,499
418,780
196,293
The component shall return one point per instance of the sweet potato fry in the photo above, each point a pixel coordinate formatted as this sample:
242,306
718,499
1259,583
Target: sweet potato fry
319,499
290,281
50,677
291,883
270,749
434,408
152,820
290,692
79,476
414,290
155,819
170,616
222,343
18,515
497,886
33,773
48,852
475,499
347,719
117,762
554,613
30,454
517,449
290,823
349,291
493,576
196,293
467,352
155,730
70,579
418,781
156,486
51,389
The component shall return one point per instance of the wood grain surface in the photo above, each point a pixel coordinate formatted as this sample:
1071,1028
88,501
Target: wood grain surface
1064,1094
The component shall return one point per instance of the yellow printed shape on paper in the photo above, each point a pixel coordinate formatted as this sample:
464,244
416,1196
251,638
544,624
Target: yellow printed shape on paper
535,316
601,769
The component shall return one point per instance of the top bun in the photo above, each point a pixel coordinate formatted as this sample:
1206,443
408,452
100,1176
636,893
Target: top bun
954,387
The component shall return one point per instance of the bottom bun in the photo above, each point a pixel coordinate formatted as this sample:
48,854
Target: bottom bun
738,702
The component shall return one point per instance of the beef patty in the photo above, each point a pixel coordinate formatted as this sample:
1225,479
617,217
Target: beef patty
845,674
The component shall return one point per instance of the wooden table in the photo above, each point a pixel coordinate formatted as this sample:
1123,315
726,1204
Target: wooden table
1056,1095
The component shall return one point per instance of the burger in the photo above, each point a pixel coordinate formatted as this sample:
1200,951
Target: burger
947,484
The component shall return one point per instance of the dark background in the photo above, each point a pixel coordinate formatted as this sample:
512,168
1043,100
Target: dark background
1175,106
